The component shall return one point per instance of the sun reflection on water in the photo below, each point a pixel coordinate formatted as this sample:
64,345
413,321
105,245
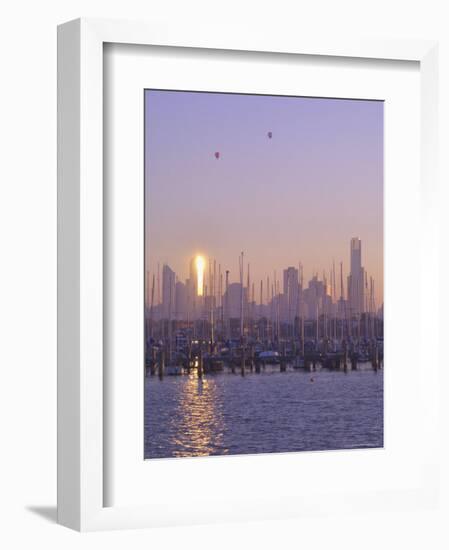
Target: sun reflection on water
199,419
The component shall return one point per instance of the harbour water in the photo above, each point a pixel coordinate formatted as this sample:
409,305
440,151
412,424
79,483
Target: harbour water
266,412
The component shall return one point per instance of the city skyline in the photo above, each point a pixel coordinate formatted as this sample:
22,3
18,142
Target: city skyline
327,155
208,287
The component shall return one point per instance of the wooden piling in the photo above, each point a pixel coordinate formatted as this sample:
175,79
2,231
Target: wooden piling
374,358
161,364
200,364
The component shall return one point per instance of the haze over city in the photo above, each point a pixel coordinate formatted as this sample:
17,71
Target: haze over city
297,195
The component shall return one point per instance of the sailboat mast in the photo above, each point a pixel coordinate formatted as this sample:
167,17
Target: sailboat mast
241,268
227,305
151,308
158,285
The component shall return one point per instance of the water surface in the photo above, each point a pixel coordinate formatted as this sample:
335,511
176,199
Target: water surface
265,412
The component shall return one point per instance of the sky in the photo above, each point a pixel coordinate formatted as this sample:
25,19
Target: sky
298,197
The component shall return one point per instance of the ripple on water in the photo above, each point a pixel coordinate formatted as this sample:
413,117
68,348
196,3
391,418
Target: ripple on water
262,413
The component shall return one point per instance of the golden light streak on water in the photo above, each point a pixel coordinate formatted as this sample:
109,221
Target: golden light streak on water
200,430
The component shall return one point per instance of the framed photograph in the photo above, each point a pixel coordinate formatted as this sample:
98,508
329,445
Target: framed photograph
246,229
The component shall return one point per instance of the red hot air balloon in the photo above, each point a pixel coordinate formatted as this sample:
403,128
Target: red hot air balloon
217,155
270,135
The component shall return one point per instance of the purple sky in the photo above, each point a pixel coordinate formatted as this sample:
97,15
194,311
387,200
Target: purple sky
300,196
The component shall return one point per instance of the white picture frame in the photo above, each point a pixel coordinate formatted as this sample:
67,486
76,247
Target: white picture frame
81,490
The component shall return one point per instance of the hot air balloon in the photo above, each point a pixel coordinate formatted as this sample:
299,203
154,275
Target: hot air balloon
217,155
270,135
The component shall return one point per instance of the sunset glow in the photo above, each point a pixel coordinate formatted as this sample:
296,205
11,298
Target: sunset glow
323,156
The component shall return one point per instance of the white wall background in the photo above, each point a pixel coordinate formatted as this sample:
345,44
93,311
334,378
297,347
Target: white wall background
28,267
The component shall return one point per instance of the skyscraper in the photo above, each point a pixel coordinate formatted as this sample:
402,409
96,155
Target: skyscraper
168,292
233,297
196,286
291,288
197,270
356,279
314,298
180,301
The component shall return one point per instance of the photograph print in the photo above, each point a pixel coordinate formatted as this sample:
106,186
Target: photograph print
263,313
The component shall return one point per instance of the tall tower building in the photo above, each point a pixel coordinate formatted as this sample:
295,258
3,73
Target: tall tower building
233,297
290,290
180,301
196,286
356,279
314,298
168,292
197,275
